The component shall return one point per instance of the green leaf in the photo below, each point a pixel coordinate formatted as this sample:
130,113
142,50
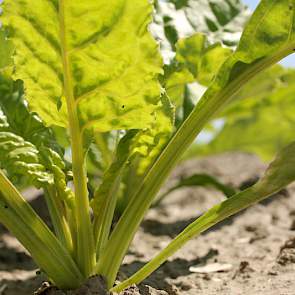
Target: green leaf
21,158
102,50
86,66
202,60
196,61
203,180
178,25
280,173
151,141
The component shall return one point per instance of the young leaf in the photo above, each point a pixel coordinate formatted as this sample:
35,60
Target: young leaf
280,173
203,180
112,60
150,142
20,158
200,58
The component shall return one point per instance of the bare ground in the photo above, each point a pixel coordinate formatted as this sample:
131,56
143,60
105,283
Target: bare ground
256,248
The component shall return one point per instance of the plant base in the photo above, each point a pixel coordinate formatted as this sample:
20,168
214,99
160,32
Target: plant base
93,286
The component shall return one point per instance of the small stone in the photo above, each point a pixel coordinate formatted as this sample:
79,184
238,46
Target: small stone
272,273
292,227
184,286
210,268
287,253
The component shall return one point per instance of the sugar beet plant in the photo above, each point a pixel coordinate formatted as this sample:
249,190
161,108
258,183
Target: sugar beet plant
91,68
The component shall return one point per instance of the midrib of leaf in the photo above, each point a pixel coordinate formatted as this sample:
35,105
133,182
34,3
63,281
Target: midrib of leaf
85,243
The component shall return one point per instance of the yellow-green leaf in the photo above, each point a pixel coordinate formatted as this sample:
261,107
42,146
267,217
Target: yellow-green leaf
101,49
196,60
6,49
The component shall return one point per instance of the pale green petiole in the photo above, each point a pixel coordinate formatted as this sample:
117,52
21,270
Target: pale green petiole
85,242
58,217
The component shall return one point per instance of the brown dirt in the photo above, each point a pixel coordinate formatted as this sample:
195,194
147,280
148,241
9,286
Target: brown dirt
258,243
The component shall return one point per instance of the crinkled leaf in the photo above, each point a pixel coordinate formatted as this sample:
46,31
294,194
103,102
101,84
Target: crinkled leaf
150,142
197,60
113,61
261,45
200,58
28,149
20,157
20,120
144,148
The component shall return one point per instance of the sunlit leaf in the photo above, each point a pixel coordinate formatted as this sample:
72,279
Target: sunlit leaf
101,50
196,61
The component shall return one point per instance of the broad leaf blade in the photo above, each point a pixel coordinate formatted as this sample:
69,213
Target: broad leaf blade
114,61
